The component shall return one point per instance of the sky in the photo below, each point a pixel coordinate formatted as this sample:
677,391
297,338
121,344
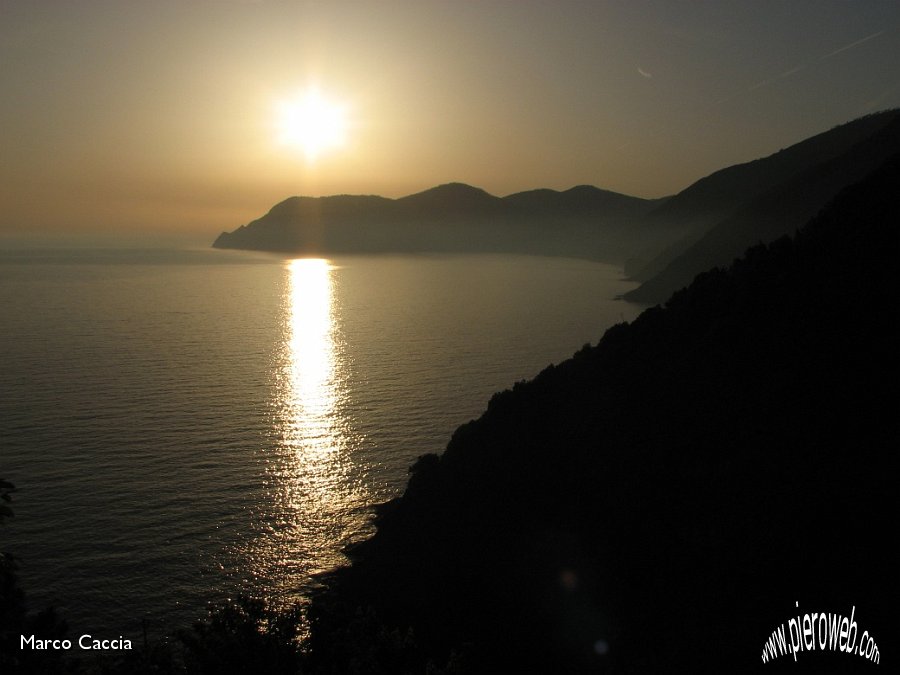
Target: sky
162,120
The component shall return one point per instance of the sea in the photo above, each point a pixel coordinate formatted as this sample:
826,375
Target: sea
188,426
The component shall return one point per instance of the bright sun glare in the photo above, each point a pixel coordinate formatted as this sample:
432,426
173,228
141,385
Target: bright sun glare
312,123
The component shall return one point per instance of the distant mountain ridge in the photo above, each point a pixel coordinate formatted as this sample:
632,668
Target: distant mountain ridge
450,199
583,221
662,243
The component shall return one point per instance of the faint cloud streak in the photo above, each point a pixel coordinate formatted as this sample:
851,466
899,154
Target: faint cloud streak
802,66
852,45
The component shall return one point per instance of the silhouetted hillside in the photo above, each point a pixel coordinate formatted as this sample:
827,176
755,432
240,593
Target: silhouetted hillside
660,502
779,211
582,222
450,201
579,201
743,188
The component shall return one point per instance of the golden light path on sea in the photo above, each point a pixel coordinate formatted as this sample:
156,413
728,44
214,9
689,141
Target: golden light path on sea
317,498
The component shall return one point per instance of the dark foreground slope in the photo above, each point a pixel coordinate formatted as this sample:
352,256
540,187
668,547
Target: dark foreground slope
660,502
583,221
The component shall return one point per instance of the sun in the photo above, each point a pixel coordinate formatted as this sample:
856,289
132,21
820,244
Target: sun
312,123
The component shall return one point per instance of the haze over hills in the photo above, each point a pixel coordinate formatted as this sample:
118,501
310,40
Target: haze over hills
663,243
731,209
583,221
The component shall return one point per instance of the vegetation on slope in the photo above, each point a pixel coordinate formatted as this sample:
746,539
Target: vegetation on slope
664,498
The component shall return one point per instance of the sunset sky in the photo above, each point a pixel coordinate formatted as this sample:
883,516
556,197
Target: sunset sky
165,119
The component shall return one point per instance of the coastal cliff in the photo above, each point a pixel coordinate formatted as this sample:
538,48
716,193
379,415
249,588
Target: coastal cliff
662,499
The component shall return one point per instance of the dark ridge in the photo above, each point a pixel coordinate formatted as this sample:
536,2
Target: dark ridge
660,502
578,200
780,209
722,194
450,192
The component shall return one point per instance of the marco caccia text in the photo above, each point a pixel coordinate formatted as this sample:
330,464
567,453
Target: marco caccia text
84,642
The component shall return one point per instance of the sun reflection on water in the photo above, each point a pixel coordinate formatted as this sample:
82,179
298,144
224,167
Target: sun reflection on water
317,496
309,388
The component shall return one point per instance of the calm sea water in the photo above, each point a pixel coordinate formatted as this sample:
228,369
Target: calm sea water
184,426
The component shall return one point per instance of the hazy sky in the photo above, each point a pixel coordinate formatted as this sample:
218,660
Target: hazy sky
161,117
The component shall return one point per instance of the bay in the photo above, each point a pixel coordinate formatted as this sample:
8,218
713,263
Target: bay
186,426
